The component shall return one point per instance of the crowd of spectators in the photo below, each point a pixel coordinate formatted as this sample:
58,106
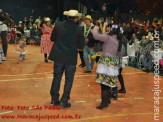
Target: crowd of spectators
138,35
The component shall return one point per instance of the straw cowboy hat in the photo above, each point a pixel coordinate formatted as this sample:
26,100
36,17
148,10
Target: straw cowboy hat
71,13
47,19
88,17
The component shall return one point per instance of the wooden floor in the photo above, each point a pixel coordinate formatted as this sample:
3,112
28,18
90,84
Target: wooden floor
25,90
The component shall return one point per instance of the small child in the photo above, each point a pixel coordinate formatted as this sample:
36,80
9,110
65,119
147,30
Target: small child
20,48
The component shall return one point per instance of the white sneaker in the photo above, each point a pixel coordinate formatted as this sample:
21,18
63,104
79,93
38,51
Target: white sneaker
0,58
3,58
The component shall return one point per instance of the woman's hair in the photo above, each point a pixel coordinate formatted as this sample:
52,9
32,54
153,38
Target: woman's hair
22,38
116,31
109,25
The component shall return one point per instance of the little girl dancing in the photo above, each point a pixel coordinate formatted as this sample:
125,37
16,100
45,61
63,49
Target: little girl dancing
20,48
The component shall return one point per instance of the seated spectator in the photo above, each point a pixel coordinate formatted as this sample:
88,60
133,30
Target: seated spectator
27,34
157,28
143,42
133,39
20,30
31,20
30,25
38,20
146,57
161,33
151,30
134,45
140,32
25,21
36,33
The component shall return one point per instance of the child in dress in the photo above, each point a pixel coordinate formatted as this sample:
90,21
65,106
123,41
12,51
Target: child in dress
20,48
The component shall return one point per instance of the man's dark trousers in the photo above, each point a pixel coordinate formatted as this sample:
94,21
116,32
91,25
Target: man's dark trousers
4,42
59,68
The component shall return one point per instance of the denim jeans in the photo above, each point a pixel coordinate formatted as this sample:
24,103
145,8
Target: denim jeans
37,39
147,61
59,68
81,57
88,51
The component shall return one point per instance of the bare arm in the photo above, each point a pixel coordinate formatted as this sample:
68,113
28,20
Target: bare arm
104,28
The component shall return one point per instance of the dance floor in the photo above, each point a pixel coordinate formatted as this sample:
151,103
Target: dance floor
25,93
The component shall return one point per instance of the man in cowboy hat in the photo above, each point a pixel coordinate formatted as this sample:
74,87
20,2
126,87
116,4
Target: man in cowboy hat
89,44
68,38
81,22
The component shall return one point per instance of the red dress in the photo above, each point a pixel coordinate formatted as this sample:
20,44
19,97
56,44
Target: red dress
46,43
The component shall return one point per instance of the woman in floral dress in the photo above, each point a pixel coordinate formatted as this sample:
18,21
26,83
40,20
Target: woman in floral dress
108,64
46,43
